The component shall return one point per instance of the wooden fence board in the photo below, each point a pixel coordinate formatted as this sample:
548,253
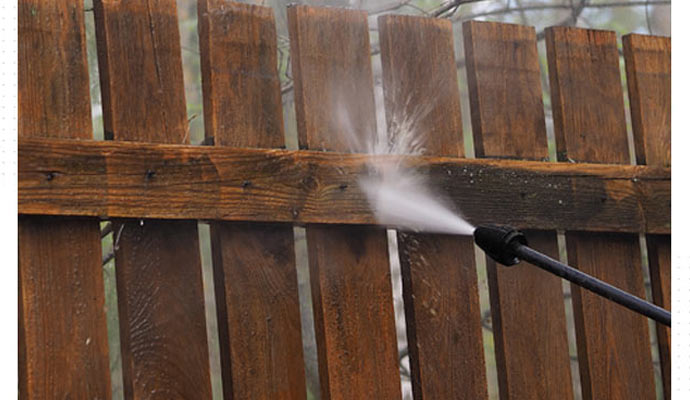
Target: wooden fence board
158,266
63,336
613,343
648,69
349,269
528,313
67,177
439,274
254,264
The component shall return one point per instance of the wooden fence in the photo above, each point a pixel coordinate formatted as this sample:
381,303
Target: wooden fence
252,191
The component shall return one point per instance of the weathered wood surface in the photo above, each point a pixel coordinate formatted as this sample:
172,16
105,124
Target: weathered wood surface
242,102
137,180
587,97
648,69
254,264
158,265
349,270
508,122
438,271
505,91
63,337
53,93
614,352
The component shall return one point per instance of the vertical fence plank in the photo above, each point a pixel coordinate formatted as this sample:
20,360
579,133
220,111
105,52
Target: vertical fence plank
158,266
63,337
439,273
527,307
648,69
589,118
350,275
254,264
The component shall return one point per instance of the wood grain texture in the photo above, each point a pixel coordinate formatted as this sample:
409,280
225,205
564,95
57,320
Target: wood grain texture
53,91
443,317
158,266
349,270
63,336
63,341
256,278
137,180
334,100
140,68
505,91
242,101
161,305
508,122
254,264
586,96
648,69
528,317
438,271
420,87
613,343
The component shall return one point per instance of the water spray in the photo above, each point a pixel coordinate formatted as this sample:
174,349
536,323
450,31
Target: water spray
506,245
402,198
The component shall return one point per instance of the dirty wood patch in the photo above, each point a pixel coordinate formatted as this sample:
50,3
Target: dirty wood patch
63,336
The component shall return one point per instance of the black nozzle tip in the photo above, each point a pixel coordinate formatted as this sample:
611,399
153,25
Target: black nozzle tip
497,241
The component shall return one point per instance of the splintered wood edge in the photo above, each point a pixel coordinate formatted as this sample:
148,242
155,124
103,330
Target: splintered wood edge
141,180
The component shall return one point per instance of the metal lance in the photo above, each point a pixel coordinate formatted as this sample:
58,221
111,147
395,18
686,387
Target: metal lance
507,246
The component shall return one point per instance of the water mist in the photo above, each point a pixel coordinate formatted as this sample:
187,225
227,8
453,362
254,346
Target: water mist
399,196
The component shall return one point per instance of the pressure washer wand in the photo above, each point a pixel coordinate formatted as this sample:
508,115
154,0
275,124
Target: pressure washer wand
507,246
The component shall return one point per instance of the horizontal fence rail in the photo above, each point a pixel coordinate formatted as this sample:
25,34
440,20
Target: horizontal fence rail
137,180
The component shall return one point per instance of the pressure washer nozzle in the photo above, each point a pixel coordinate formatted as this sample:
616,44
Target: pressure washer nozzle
497,241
